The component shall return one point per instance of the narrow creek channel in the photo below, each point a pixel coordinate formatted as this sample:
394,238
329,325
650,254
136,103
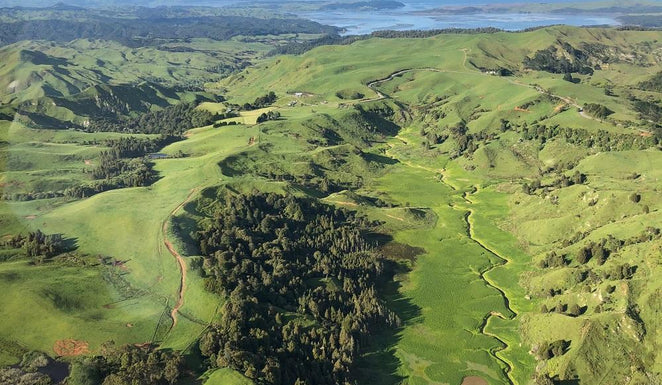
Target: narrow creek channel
500,262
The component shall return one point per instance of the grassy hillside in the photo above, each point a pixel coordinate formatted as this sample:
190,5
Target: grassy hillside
65,85
523,230
447,84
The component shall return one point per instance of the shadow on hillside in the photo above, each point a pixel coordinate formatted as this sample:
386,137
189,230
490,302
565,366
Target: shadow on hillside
69,244
566,382
37,120
370,157
183,226
378,363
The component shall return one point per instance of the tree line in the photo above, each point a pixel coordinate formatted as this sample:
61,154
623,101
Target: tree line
301,47
128,365
553,60
265,116
260,102
37,245
300,281
653,84
124,164
172,120
597,110
600,139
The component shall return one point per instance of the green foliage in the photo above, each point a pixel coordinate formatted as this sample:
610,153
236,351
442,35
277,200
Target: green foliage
349,95
124,165
265,116
597,110
18,376
298,48
281,262
84,371
553,60
149,29
568,78
557,348
37,245
554,260
635,197
479,150
653,84
129,364
172,120
260,102
649,110
602,139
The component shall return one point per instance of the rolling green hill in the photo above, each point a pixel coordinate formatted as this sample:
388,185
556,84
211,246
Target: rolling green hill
521,227
68,84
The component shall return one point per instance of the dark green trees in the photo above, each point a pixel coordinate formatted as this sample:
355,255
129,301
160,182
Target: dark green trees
301,286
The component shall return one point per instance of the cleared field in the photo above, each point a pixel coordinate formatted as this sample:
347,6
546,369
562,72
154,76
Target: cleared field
125,224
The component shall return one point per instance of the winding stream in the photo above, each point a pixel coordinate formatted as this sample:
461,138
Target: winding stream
500,260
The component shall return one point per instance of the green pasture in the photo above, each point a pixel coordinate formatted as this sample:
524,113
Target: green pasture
125,224
471,302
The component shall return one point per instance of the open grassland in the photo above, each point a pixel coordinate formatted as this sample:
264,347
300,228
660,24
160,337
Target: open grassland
125,224
476,232
48,160
226,376
447,86
79,66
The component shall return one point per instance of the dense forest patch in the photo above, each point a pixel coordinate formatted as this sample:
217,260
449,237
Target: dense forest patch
172,120
301,282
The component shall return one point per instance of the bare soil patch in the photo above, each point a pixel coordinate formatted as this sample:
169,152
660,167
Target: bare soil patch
474,380
70,347
559,107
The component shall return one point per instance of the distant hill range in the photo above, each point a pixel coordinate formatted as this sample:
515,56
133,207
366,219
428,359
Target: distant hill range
139,26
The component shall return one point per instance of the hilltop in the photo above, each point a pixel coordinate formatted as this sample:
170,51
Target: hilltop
488,203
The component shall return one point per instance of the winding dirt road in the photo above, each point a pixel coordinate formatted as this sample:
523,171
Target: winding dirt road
180,261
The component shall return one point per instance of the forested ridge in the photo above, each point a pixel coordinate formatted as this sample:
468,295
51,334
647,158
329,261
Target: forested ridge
172,120
147,31
300,281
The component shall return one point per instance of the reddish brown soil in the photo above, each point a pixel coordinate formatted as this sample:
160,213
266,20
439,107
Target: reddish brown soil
179,259
473,380
70,348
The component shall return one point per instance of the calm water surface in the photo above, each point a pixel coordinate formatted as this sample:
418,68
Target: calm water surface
362,22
